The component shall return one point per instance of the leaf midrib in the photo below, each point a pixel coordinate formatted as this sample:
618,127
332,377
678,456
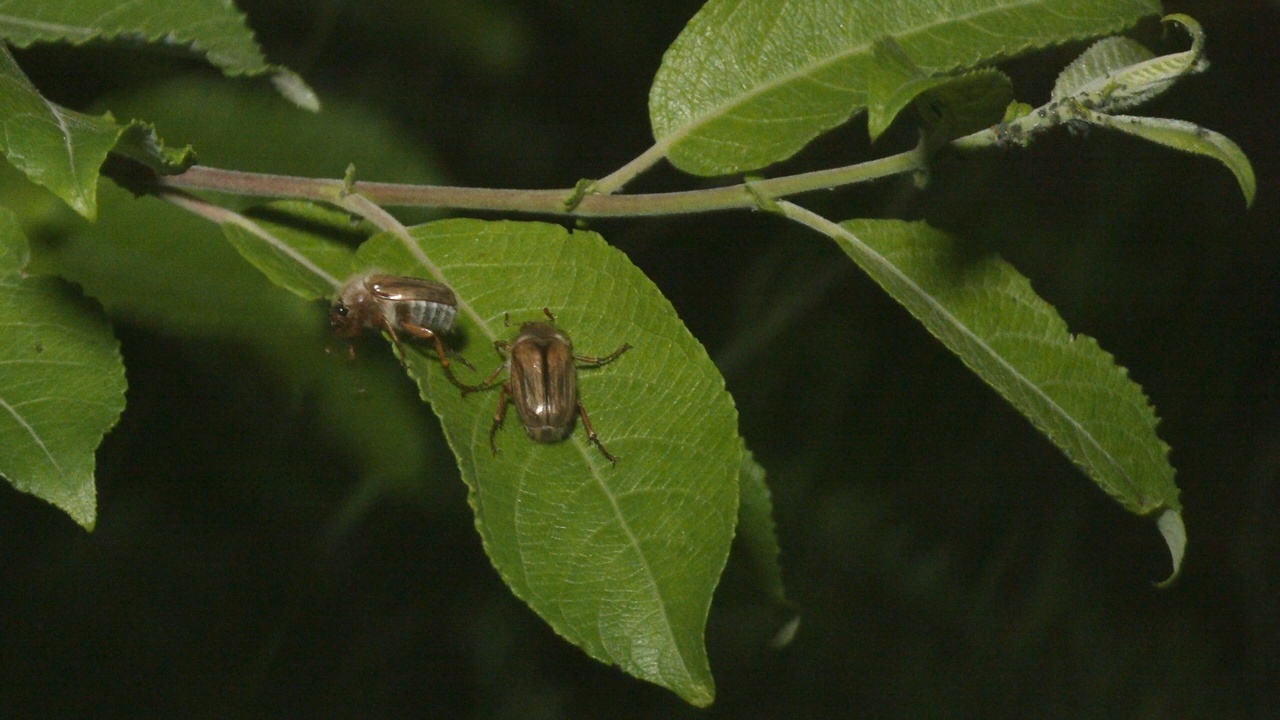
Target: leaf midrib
963,328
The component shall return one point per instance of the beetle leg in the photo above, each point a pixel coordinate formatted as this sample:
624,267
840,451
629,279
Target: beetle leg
591,434
425,334
549,315
486,384
395,339
602,360
458,358
498,415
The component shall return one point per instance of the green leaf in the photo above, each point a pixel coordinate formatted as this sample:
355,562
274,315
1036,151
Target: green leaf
1090,73
750,82
63,150
757,534
892,83
986,313
951,105
967,103
140,143
215,31
62,387
299,246
1184,136
56,147
154,265
622,559
1175,536
1116,74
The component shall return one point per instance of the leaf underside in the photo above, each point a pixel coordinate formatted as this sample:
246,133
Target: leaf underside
987,313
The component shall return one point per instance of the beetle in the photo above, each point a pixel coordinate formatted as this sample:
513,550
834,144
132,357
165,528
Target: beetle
542,383
392,303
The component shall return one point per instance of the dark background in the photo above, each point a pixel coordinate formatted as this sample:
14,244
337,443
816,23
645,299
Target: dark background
948,561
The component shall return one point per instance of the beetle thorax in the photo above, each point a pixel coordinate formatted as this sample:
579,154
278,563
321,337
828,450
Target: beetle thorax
351,291
349,313
541,333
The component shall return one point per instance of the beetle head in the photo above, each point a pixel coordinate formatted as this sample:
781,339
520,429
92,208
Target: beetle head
347,314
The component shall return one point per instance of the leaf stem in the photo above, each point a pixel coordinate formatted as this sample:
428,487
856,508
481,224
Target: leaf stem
615,180
222,216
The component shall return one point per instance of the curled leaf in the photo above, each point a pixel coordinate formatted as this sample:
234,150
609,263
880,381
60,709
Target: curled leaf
1184,136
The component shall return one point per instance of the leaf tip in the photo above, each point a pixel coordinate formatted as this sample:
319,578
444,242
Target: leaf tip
1175,536
786,633
295,89
699,695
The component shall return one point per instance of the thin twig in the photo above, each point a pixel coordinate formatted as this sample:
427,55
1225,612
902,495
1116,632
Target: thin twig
541,202
222,216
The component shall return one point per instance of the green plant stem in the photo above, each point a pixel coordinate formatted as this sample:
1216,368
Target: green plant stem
615,180
222,216
541,202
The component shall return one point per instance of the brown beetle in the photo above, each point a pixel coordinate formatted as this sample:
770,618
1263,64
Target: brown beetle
391,303
543,383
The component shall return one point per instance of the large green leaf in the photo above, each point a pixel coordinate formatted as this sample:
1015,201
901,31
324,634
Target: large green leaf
619,559
213,30
750,82
62,386
986,313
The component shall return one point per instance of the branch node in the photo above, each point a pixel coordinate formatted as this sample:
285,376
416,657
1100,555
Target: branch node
758,195
580,190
